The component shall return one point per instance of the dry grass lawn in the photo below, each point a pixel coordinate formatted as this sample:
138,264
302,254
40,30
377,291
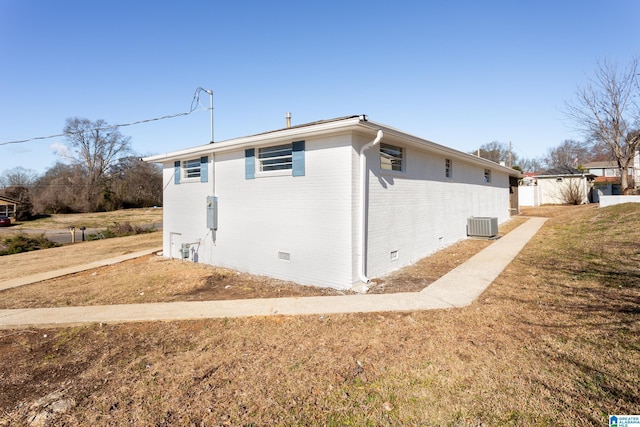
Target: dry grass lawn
139,216
28,263
158,279
555,340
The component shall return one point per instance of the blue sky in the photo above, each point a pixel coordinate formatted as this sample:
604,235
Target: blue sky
459,73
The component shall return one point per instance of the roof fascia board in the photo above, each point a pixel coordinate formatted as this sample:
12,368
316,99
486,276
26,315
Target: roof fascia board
351,124
432,146
9,200
268,138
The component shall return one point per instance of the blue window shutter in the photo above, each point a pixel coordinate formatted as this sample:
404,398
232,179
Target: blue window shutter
204,169
250,163
176,172
298,158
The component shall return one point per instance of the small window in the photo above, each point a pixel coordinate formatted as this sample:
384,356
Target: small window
191,168
487,175
448,171
276,158
390,157
559,179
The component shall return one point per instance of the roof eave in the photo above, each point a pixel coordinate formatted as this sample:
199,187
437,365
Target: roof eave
446,151
353,123
266,138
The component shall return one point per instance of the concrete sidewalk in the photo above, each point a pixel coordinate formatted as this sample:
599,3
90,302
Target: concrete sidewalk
458,288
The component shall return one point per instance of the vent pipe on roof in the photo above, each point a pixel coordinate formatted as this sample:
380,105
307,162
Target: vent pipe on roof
288,117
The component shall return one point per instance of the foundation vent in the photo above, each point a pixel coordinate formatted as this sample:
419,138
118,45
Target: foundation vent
284,256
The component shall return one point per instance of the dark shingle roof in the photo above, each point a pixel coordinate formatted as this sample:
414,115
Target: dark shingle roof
563,170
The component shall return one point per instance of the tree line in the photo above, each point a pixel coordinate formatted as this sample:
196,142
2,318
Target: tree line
98,173
569,153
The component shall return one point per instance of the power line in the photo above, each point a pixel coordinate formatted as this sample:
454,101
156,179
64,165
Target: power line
194,104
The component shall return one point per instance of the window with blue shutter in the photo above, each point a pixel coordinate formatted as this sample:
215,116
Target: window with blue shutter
176,172
298,158
249,163
204,170
275,158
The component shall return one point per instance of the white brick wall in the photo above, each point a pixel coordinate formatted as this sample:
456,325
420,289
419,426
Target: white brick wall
418,211
315,218
307,217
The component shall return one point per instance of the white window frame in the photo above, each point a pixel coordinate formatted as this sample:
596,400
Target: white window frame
191,169
448,168
275,159
389,161
487,176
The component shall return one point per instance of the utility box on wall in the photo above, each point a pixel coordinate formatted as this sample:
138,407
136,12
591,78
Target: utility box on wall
212,212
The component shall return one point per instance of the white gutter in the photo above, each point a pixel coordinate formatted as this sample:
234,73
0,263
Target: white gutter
363,210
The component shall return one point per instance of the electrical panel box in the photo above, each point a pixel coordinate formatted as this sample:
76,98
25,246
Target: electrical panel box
212,212
184,250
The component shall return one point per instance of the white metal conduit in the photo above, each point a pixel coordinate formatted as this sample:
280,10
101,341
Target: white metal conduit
363,208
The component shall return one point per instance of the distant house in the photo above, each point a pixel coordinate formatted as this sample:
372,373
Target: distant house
8,206
563,185
607,181
330,203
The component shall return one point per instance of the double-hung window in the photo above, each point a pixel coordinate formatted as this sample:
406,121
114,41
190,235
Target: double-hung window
391,157
448,168
275,158
487,175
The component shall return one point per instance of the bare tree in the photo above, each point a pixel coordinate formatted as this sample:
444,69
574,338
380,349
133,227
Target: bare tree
19,177
134,183
569,153
17,184
97,146
496,152
530,165
58,190
607,110
572,191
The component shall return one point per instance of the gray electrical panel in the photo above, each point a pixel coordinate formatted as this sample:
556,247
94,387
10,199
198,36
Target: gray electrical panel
212,212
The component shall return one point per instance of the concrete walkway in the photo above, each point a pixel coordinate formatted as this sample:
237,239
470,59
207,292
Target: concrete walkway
458,288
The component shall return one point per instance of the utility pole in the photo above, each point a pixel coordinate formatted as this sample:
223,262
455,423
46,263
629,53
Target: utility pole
210,92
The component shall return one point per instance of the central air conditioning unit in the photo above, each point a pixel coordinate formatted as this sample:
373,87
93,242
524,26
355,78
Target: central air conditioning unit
482,226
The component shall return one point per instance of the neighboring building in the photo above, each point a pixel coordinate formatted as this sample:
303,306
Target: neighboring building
330,203
607,181
563,185
8,206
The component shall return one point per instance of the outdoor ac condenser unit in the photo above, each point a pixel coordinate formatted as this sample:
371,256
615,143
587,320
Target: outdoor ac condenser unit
482,226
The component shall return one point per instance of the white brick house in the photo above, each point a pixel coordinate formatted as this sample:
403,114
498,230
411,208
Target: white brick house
330,203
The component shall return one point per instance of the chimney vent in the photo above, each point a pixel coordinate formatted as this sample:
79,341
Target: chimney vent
288,117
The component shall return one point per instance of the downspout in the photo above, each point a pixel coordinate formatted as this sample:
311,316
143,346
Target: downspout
363,210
